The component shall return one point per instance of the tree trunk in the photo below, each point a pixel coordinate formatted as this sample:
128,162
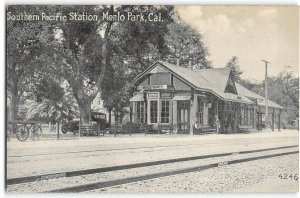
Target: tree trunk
14,108
85,111
116,117
109,117
83,101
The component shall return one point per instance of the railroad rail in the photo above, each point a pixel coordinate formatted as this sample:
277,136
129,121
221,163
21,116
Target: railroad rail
98,185
127,148
82,188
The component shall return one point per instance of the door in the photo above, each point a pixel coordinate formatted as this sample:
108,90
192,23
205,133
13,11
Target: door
183,116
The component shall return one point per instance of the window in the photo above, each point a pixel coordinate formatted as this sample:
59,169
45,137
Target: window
232,107
200,111
239,115
220,109
229,106
161,79
153,111
152,95
140,112
165,111
252,117
242,115
246,116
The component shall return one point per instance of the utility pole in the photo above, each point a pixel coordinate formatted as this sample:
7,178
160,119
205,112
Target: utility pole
266,93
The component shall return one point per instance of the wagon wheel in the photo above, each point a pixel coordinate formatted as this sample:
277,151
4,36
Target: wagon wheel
64,129
22,133
36,132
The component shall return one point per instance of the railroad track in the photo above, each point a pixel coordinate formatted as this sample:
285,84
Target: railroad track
195,163
126,149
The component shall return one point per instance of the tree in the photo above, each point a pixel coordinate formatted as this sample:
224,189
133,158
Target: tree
50,102
140,44
49,110
233,64
25,41
282,89
79,55
93,55
186,44
47,88
83,51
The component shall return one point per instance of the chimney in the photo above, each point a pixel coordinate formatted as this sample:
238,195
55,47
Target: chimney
177,62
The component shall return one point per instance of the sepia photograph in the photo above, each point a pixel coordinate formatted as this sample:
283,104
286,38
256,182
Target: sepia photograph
151,99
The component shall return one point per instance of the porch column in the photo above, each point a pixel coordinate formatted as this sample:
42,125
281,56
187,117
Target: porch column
148,112
174,110
279,120
134,107
158,111
273,119
259,119
193,109
171,112
254,117
216,107
222,129
235,128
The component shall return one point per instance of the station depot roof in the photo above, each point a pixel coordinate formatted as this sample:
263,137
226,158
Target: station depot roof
212,80
260,99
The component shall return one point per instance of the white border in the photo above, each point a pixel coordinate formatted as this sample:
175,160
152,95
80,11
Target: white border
129,2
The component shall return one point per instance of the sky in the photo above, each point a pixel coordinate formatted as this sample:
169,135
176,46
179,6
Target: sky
251,33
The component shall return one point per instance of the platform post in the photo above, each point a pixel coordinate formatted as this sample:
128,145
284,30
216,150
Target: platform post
57,130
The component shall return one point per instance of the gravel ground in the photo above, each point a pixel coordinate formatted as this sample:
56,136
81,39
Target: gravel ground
51,163
177,183
255,176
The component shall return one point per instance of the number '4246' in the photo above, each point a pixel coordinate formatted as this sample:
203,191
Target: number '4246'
288,176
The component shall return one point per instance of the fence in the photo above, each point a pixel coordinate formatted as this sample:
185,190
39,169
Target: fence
73,130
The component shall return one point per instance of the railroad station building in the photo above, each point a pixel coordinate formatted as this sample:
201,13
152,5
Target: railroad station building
189,99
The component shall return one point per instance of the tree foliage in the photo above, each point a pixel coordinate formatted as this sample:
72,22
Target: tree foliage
25,41
93,56
185,43
137,45
48,110
282,89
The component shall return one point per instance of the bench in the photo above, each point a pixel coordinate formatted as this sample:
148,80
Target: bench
131,128
166,128
204,129
90,130
127,128
141,128
244,128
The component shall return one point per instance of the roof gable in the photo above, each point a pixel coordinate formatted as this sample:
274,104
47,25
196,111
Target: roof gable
230,85
158,69
204,79
219,81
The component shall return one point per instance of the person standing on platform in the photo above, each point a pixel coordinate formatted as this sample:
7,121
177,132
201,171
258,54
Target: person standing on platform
217,124
233,125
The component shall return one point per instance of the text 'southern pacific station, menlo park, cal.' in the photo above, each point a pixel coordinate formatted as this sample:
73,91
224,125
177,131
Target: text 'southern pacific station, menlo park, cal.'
84,16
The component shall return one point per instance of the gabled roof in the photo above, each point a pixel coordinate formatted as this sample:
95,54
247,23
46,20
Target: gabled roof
260,99
212,80
209,79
